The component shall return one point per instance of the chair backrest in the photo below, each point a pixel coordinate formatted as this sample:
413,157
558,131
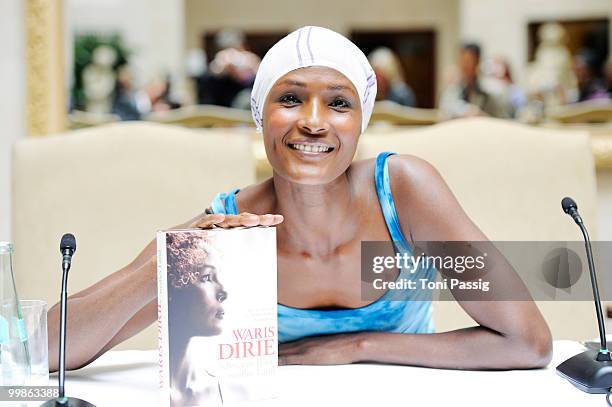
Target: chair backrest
396,114
591,111
113,186
203,116
510,179
78,119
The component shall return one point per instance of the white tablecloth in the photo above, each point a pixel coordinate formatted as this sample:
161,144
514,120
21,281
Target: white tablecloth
130,378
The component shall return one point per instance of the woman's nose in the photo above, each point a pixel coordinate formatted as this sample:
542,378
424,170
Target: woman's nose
313,120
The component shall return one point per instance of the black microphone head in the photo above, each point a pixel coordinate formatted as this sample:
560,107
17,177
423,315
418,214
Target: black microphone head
68,242
568,204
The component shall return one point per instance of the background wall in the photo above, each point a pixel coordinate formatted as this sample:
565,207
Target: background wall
340,15
12,103
151,29
501,26
160,31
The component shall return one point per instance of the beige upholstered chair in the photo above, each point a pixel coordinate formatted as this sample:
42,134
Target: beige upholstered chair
510,179
113,186
396,114
78,119
592,111
203,116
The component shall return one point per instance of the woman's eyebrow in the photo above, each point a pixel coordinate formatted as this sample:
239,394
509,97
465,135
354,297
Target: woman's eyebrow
338,87
292,82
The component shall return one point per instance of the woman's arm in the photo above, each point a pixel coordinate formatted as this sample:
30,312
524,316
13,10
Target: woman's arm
509,335
97,314
124,303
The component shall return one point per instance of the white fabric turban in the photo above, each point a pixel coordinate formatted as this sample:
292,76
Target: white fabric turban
314,46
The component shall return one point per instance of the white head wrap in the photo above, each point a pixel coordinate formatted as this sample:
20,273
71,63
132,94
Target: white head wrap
314,46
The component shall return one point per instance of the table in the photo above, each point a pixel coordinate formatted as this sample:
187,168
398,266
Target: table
130,378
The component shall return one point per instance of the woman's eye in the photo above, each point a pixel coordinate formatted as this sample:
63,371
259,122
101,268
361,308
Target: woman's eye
205,278
289,100
340,103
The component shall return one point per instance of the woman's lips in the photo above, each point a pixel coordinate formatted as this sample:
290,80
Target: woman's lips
311,148
220,314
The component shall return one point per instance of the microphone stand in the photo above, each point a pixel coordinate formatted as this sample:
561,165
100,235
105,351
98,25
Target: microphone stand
62,400
604,353
589,371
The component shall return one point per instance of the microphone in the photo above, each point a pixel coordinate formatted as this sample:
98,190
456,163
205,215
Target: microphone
590,371
569,206
67,249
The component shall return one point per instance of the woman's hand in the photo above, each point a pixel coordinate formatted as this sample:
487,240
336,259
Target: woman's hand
245,219
339,349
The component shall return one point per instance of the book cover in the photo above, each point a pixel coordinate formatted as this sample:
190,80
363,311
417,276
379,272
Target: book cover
218,343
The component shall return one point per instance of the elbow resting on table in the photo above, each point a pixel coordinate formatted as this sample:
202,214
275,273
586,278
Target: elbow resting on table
535,349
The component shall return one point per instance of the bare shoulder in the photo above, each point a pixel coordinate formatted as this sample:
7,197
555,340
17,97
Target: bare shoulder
400,165
408,175
412,169
425,201
415,180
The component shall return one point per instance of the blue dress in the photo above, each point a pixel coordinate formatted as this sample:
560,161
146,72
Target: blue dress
402,312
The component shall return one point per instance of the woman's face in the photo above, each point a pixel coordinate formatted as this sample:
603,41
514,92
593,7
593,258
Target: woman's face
311,125
208,297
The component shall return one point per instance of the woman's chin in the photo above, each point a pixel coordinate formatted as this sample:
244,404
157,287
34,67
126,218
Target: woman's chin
211,328
216,327
307,174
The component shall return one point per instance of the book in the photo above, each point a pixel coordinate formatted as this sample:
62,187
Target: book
217,316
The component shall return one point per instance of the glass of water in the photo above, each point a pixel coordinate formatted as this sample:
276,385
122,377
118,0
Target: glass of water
35,320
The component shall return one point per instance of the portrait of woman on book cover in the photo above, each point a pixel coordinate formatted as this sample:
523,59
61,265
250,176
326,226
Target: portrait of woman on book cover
195,310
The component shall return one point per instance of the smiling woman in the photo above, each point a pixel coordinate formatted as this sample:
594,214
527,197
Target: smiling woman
312,98
319,98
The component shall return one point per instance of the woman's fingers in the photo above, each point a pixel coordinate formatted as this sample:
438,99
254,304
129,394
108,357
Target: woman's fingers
277,219
249,219
269,220
208,221
245,219
266,220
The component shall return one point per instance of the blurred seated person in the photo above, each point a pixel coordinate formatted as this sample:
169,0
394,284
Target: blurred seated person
590,86
500,72
160,96
128,103
231,73
467,95
391,84
608,76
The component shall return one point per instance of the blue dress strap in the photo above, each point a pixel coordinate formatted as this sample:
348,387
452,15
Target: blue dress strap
385,197
225,203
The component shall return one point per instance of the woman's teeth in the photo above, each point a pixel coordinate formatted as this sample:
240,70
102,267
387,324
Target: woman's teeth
310,148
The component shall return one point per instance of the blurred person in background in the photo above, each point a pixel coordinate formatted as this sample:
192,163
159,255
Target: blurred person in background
608,77
230,75
159,93
126,103
390,79
590,85
499,71
467,95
